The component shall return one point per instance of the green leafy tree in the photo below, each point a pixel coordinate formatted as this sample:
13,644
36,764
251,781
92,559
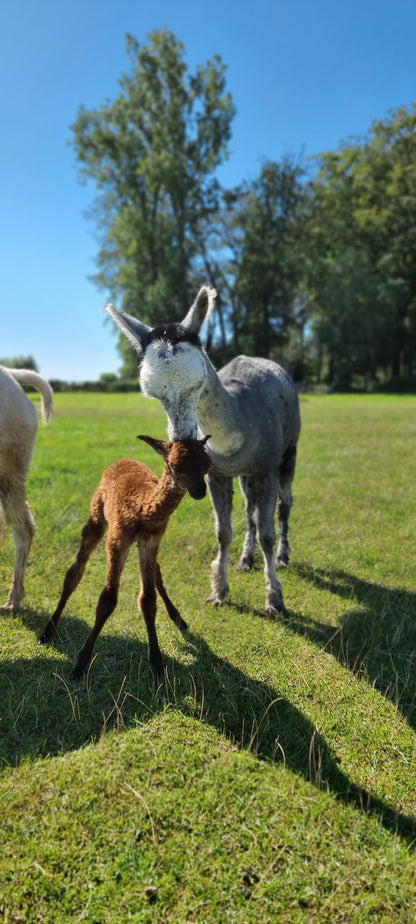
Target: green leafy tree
269,272
362,253
152,154
20,362
250,250
386,217
220,243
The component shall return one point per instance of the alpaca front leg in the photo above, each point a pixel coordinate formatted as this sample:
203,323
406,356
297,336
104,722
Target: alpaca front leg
221,492
105,607
116,558
147,603
90,537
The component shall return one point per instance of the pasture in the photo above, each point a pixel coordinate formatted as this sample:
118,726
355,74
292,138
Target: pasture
275,778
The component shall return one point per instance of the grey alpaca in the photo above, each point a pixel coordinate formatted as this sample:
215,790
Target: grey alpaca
251,409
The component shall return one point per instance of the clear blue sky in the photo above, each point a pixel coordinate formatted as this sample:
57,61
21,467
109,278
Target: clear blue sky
304,74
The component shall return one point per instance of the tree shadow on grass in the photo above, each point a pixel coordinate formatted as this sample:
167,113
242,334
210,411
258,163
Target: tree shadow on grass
45,714
376,638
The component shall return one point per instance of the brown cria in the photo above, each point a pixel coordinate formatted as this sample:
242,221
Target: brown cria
135,505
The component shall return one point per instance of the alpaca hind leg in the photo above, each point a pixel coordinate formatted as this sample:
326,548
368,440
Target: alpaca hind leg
147,603
266,497
18,516
107,602
221,492
247,558
283,550
286,475
171,610
91,534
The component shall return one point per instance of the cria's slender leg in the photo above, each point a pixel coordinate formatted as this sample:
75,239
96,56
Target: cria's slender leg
90,537
170,608
221,491
247,558
116,559
147,603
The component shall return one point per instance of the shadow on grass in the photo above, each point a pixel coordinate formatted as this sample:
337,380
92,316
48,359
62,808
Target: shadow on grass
376,637
44,714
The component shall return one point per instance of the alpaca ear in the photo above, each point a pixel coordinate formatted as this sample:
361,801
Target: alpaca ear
135,331
159,446
200,310
205,439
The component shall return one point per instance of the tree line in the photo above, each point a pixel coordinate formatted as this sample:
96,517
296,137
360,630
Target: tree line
314,263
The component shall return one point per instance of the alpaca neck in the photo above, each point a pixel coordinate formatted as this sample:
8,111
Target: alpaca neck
167,494
219,414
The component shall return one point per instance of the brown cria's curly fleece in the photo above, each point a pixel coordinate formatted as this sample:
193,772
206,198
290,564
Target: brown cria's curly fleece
136,506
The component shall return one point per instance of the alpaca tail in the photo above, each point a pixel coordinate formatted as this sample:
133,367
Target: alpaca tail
29,377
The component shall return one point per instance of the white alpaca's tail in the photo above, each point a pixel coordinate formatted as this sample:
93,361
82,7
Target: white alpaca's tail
29,377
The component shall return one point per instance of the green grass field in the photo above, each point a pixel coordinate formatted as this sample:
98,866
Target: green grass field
275,779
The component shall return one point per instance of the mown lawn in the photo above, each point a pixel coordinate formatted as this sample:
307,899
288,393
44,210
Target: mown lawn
274,777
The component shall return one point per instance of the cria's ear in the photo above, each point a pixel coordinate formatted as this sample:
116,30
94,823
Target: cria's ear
200,310
135,331
158,445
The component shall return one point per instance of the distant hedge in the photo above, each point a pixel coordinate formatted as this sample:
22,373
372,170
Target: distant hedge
113,385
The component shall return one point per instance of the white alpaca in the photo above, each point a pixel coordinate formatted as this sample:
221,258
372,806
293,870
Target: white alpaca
18,427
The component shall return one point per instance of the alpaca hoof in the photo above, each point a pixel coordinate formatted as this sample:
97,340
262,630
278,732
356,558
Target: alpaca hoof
282,561
46,636
274,613
246,563
78,671
10,607
218,599
157,665
276,607
179,622
159,676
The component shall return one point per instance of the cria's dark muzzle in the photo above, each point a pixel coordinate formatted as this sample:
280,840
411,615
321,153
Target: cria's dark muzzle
199,492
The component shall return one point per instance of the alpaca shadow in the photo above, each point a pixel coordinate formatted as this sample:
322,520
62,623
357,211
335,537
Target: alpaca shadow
45,713
254,716
119,692
376,637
